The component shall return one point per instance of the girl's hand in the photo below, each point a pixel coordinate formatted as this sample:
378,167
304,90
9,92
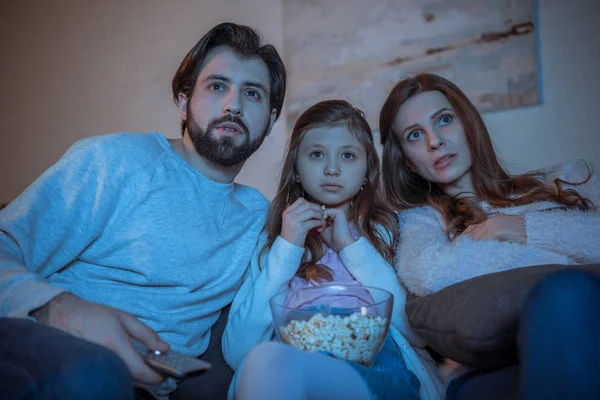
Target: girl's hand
341,236
298,219
504,228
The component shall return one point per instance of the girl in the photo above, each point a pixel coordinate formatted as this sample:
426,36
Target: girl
463,216
332,162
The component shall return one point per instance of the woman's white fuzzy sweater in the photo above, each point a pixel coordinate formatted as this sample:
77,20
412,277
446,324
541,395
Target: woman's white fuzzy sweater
427,261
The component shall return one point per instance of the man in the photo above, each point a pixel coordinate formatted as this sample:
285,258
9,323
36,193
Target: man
133,236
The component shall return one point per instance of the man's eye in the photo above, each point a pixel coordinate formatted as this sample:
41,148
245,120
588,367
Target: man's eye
253,93
215,87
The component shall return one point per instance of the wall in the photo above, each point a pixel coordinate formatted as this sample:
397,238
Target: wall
565,126
76,68
72,69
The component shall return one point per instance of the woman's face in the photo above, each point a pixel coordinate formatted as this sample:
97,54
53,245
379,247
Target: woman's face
434,143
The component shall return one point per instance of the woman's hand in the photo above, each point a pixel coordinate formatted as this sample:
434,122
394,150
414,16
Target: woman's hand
341,236
298,219
504,228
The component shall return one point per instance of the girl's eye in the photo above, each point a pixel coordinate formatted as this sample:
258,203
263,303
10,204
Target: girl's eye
316,154
253,93
348,156
445,119
216,87
414,135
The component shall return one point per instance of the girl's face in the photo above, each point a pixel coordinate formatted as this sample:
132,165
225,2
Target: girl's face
434,143
331,166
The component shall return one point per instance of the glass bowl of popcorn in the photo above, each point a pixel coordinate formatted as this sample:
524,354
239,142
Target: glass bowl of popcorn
346,321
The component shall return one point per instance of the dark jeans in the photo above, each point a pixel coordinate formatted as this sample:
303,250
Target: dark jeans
559,346
389,378
39,362
211,384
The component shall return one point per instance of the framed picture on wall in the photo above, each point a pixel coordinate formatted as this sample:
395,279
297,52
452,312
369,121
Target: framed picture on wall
357,50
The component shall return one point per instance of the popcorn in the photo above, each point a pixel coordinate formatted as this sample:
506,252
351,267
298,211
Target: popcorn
356,337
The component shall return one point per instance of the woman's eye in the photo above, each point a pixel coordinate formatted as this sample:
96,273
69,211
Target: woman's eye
445,119
253,93
316,154
348,156
414,135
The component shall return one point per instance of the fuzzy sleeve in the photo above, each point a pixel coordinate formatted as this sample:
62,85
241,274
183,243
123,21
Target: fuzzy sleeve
250,321
426,261
569,232
368,267
575,234
576,172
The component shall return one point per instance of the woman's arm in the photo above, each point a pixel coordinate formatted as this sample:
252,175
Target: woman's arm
575,172
426,261
569,232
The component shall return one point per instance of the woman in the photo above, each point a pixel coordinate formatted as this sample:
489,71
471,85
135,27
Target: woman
462,215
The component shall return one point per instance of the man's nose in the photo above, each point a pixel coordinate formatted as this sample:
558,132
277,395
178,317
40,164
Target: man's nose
233,104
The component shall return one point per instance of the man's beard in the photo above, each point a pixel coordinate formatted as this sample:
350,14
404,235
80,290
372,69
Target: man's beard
223,151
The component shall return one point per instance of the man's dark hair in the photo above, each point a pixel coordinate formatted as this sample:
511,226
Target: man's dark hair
243,41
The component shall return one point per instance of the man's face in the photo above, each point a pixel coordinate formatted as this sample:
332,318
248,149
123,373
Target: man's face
229,114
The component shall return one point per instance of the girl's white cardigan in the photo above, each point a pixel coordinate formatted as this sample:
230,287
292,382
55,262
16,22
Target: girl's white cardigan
427,261
250,321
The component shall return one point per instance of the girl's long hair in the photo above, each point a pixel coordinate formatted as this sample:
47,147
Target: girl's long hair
405,188
374,219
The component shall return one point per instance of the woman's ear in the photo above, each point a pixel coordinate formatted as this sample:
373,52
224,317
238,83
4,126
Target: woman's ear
409,166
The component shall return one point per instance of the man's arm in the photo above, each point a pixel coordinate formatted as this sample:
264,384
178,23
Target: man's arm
49,225
46,228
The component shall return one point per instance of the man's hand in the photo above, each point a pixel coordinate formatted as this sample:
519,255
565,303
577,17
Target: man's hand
105,326
504,228
298,219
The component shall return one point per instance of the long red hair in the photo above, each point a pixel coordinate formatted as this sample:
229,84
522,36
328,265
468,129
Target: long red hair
371,215
405,188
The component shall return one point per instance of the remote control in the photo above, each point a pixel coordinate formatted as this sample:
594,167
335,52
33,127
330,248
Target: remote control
172,363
